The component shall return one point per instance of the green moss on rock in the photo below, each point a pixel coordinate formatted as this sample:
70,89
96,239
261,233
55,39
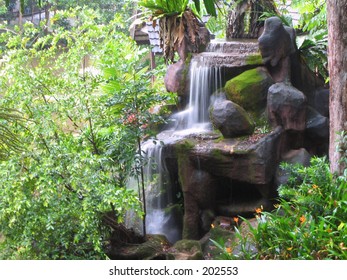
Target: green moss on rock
186,250
254,59
249,89
185,145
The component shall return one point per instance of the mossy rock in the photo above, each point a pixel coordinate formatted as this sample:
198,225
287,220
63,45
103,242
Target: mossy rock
254,59
186,249
249,89
224,237
185,146
153,248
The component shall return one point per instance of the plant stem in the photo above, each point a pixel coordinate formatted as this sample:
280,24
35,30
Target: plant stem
142,187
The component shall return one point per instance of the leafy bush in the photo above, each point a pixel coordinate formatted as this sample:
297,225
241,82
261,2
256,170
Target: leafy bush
8,140
77,148
310,220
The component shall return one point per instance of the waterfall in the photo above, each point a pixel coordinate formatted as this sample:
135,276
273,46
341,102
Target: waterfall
162,217
160,196
204,80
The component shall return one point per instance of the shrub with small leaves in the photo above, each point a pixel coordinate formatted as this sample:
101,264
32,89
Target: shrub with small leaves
76,153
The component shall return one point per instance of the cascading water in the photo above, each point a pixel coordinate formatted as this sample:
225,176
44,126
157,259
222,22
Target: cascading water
204,80
159,193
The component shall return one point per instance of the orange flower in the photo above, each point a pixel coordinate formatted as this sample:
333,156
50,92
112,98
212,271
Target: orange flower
236,220
228,250
259,210
212,225
315,187
302,219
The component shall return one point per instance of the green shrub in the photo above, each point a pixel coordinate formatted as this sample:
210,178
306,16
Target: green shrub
79,140
309,221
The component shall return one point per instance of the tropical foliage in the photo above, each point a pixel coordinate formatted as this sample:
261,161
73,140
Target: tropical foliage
160,8
309,221
177,23
75,104
314,42
86,97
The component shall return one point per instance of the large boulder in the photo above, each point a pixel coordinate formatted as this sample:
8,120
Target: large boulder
209,167
317,126
250,159
231,119
249,89
175,78
277,46
276,42
321,101
286,106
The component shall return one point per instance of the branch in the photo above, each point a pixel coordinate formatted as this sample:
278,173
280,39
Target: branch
8,30
92,140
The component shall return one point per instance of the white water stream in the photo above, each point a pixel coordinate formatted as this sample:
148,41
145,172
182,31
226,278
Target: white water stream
193,120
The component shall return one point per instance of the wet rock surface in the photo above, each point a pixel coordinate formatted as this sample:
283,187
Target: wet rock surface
231,119
234,169
249,89
286,107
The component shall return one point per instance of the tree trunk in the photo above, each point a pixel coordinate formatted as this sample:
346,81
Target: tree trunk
20,19
337,59
47,18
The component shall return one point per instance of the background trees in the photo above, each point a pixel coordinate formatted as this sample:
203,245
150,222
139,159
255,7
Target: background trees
15,9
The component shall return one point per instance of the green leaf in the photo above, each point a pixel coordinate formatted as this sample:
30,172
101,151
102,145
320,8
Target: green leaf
197,5
341,226
210,7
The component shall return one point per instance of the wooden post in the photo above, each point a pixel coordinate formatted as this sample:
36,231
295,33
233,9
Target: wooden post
153,64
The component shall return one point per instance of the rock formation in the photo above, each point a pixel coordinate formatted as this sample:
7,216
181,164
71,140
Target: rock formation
263,114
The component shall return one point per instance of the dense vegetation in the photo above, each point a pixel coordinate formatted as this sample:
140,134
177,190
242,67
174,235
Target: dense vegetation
75,104
83,99
309,222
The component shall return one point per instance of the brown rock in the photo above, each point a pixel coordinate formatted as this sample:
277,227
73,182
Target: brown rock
286,106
